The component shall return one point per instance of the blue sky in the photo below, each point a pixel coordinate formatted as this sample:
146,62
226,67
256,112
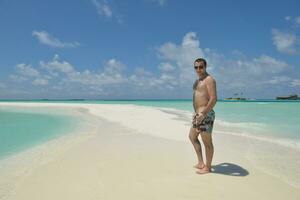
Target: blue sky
111,49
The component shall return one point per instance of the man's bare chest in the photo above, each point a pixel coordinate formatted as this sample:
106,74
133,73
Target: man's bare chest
201,87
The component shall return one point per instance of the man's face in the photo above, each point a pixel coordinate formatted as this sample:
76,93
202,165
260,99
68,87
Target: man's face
199,67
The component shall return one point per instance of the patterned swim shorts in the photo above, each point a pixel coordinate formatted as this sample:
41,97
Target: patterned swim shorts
206,124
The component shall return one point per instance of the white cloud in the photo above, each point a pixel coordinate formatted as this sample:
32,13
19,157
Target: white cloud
287,18
183,55
295,83
246,74
103,8
109,80
47,39
28,73
40,81
27,70
24,72
285,42
111,74
114,66
268,64
166,67
295,20
142,72
17,78
172,78
279,80
232,74
288,42
56,66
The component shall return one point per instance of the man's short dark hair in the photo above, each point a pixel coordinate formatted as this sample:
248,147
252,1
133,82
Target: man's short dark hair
201,60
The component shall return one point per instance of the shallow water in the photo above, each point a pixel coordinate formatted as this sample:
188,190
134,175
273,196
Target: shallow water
271,120
22,128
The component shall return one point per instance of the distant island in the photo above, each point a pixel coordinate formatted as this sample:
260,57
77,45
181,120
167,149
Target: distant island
235,98
290,97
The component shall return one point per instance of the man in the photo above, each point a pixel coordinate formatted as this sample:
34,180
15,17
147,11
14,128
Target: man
204,99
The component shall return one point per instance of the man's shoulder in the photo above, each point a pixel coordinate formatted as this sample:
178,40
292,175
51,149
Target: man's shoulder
210,78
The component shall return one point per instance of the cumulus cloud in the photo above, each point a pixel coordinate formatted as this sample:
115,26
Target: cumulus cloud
245,73
27,70
182,56
55,65
286,42
24,72
103,8
45,38
111,74
109,80
166,67
114,66
232,74
28,73
295,83
171,78
295,20
287,18
40,81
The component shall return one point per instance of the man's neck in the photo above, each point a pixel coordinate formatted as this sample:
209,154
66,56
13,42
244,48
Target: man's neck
203,76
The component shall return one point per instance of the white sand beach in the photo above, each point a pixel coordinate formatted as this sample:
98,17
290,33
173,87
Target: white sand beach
138,152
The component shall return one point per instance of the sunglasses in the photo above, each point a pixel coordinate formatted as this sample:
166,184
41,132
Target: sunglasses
199,67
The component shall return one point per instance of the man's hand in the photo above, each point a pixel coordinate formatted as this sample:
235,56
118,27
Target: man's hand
200,117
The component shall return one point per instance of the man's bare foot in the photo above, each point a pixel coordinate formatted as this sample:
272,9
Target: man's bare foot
204,170
199,166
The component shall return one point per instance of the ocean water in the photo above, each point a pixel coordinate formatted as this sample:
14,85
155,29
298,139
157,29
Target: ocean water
266,120
271,120
271,126
21,128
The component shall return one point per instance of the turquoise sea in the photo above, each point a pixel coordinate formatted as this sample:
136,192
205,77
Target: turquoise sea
272,120
21,128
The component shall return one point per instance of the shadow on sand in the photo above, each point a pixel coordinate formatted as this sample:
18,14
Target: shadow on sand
229,169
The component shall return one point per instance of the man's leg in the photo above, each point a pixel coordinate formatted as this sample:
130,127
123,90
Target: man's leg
193,135
209,152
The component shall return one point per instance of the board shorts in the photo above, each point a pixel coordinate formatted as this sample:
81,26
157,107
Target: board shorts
206,125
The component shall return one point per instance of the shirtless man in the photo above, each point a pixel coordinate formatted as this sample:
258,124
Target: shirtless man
204,99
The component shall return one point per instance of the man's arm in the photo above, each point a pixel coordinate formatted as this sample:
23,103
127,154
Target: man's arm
212,92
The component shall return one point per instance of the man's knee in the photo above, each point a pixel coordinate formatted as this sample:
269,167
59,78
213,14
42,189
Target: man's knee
207,140
208,145
193,135
193,138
